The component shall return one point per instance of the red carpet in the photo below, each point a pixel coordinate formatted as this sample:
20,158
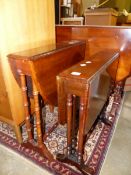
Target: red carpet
96,146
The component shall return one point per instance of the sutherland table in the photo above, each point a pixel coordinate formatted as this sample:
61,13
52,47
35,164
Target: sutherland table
77,81
35,71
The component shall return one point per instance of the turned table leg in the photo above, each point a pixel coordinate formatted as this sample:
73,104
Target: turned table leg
37,115
26,106
51,108
18,133
82,123
41,145
74,108
69,124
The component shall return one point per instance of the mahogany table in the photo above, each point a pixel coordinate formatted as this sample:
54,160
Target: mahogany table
35,71
77,81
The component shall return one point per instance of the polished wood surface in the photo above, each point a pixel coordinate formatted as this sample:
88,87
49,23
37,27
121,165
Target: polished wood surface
104,57
21,27
90,68
99,38
77,80
42,65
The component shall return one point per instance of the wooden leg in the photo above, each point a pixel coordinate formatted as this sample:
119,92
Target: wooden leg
61,101
37,113
51,107
74,115
74,124
26,106
18,133
69,124
82,123
41,145
71,108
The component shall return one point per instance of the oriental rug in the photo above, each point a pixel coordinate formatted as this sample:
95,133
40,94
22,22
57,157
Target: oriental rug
95,148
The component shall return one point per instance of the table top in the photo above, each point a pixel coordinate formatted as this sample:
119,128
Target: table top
86,70
43,64
35,53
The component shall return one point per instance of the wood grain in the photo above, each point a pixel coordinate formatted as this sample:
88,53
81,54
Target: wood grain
23,24
100,38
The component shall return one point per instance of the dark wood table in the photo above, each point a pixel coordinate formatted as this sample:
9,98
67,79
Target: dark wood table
77,82
35,71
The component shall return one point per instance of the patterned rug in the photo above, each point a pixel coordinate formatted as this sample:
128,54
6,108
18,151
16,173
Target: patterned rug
95,148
